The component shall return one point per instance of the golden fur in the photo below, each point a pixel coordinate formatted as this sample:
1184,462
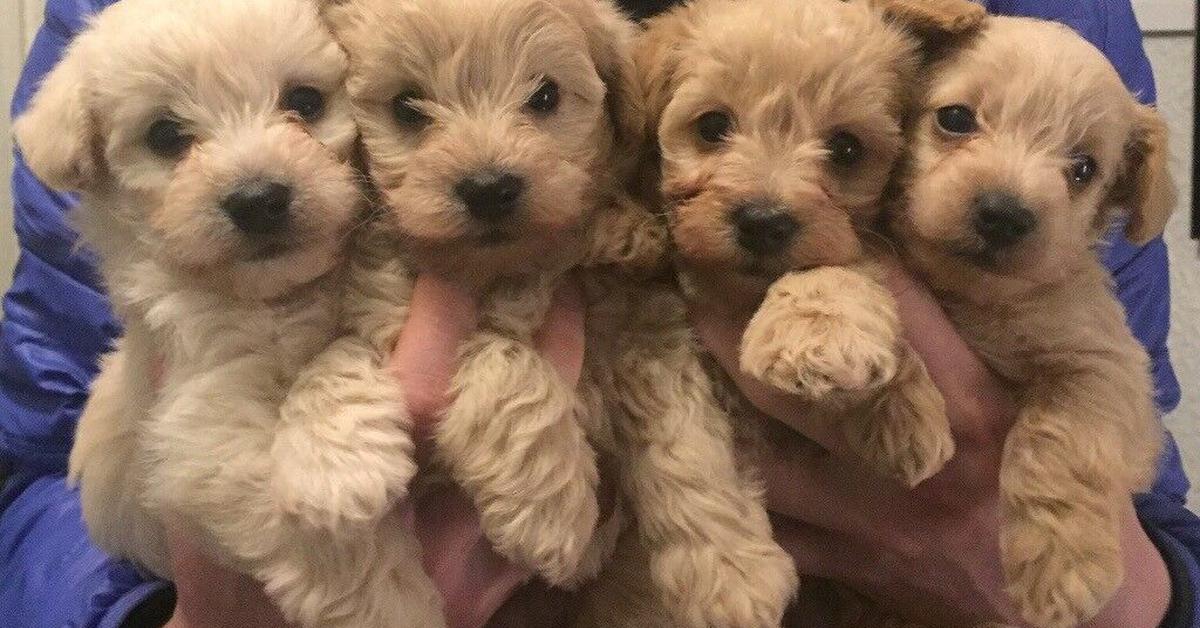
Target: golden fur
519,440
790,76
188,414
1041,312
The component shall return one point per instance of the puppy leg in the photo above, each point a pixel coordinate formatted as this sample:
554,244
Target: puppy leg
374,581
705,530
1067,463
822,332
832,334
105,463
211,440
628,236
903,431
343,453
511,440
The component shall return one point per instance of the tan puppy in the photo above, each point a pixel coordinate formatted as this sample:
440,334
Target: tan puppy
218,192
1025,145
779,123
499,133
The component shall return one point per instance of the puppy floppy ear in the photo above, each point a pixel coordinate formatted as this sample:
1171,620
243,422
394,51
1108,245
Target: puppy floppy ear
658,59
1144,187
56,134
934,17
610,44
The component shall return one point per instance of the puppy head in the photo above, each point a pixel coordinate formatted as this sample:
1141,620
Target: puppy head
215,133
779,123
1024,145
491,127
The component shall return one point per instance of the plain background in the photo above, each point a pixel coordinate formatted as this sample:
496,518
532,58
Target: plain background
1169,27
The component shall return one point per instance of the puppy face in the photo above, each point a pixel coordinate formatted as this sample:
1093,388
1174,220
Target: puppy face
489,125
217,131
779,123
1024,145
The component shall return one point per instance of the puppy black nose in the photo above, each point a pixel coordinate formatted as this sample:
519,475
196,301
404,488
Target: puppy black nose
489,195
764,228
1001,219
258,207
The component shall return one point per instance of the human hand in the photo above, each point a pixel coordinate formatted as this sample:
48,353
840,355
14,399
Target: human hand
473,579
211,595
931,553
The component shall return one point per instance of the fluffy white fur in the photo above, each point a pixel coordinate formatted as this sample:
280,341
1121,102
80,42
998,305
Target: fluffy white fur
185,420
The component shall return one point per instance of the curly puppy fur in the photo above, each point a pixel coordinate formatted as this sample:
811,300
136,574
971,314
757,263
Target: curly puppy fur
779,125
452,93
1007,198
160,113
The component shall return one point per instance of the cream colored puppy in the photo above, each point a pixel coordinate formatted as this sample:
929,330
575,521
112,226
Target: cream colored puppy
500,134
1025,145
211,142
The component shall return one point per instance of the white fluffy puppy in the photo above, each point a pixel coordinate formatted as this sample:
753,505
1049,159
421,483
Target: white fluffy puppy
211,141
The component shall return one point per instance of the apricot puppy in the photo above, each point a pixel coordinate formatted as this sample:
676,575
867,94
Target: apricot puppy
779,123
1025,145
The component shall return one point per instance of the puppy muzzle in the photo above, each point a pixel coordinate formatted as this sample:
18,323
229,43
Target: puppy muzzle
1001,220
764,228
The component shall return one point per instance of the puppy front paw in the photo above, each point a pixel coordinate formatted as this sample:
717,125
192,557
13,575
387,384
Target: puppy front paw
904,432
817,354
550,536
343,479
629,237
709,586
1059,572
372,580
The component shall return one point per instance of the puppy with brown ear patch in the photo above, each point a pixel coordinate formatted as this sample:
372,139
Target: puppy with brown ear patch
217,188
1025,145
779,124
501,134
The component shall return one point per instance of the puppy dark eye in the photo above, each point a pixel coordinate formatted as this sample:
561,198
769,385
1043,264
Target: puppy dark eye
845,149
1082,170
545,99
306,101
714,127
957,120
167,139
404,109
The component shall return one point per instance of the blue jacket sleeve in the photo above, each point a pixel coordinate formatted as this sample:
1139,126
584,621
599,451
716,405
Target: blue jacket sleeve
56,323
1142,282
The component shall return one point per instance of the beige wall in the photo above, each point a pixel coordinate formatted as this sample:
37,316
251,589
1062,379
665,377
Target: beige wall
19,20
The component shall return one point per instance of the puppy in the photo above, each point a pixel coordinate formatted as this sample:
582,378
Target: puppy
500,134
779,124
1025,145
217,190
